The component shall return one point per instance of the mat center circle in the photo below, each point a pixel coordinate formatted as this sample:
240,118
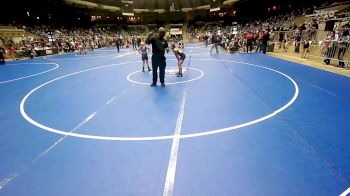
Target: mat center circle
189,75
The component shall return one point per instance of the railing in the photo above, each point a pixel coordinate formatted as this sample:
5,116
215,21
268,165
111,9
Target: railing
331,52
330,6
293,42
12,30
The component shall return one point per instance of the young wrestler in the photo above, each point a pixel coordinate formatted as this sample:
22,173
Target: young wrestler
180,56
143,50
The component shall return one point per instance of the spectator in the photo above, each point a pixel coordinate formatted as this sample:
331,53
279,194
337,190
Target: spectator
343,44
215,40
297,40
250,40
265,41
306,48
330,53
280,39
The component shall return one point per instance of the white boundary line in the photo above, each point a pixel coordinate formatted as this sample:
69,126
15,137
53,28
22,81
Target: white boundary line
92,56
98,55
197,134
87,57
171,172
346,192
32,75
198,54
12,176
124,54
167,83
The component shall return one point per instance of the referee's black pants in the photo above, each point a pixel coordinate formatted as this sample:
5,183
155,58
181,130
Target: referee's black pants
158,61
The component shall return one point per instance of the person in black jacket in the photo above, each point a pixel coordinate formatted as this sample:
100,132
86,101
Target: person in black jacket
265,40
206,40
215,40
159,46
117,43
134,44
297,42
138,40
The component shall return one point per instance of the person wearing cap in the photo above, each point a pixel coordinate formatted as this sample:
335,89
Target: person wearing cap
159,46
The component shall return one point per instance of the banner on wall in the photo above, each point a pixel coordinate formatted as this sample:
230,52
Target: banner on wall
175,31
127,8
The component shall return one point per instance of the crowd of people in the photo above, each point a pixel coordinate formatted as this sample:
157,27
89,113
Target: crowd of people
252,36
281,32
50,40
278,32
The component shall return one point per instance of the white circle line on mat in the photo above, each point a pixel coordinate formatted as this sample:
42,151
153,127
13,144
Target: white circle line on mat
167,83
196,134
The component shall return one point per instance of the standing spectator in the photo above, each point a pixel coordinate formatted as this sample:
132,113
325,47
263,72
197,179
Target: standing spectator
306,48
265,41
330,53
138,41
33,53
272,35
297,40
260,41
343,44
231,46
280,39
286,43
215,40
250,40
118,42
206,40
134,44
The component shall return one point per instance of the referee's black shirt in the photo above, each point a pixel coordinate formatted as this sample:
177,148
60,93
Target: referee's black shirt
158,45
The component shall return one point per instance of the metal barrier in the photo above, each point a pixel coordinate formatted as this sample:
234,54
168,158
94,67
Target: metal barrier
331,52
317,47
301,42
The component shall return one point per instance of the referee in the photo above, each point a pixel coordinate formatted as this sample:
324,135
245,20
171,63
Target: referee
159,46
215,40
